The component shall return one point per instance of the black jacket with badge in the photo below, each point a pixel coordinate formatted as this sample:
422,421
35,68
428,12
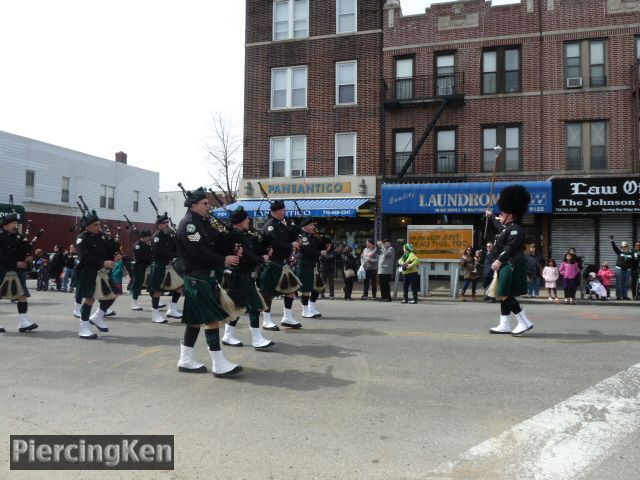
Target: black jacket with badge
252,249
509,242
143,253
13,249
309,251
280,237
93,250
164,247
198,244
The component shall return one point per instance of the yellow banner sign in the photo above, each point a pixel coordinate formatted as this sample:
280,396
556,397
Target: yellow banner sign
307,188
441,244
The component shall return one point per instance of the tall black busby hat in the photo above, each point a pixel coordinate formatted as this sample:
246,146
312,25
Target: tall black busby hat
89,218
514,199
238,215
144,233
307,221
194,197
7,219
277,205
162,218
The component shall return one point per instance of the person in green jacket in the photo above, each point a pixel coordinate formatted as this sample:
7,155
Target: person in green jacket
409,265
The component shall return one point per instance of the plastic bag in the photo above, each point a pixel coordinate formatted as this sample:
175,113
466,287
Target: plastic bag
361,272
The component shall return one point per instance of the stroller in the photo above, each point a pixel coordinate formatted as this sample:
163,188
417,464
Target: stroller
586,271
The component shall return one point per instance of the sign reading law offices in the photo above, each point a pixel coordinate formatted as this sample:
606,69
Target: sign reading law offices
596,195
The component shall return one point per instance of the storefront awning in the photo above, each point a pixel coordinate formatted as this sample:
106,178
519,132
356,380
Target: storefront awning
325,207
461,198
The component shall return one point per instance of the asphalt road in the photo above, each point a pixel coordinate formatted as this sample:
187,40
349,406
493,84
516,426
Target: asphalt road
369,391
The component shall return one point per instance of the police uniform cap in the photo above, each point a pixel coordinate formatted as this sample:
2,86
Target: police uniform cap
277,205
144,233
238,215
7,219
90,218
194,197
307,221
162,218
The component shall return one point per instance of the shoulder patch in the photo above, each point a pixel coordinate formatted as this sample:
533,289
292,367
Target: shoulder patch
78,241
195,237
137,247
191,228
270,228
305,240
514,232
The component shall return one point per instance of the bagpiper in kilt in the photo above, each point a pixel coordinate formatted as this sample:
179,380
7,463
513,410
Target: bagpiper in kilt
199,252
165,249
240,281
309,253
510,265
283,239
96,253
15,256
143,255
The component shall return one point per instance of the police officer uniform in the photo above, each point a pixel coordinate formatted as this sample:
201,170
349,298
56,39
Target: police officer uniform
198,250
14,248
281,237
143,255
307,259
512,273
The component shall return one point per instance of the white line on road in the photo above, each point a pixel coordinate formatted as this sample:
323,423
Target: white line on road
564,442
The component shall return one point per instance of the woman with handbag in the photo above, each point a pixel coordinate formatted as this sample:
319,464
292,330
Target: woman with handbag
409,267
349,272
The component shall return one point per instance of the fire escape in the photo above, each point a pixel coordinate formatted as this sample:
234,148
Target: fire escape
635,109
440,91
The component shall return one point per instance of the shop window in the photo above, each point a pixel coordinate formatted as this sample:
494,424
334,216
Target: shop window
402,148
586,144
290,19
288,156
509,138
501,70
346,153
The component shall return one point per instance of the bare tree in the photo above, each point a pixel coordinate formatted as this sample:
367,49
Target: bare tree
224,166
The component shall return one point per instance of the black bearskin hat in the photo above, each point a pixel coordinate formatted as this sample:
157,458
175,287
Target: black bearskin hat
89,218
194,197
514,199
238,215
162,218
277,205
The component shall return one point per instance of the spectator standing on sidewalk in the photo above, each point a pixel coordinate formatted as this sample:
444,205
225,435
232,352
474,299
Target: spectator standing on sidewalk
487,273
328,270
551,275
70,261
635,271
386,264
605,274
471,272
534,269
409,264
43,273
624,265
369,259
55,266
571,273
350,268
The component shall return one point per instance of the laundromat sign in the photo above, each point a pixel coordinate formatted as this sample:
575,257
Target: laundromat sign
596,195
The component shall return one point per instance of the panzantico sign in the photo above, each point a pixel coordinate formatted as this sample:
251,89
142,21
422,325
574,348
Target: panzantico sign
596,195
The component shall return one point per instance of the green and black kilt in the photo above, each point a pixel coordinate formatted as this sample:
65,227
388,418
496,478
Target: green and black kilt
86,282
305,272
156,277
251,298
269,277
138,277
22,277
512,279
200,304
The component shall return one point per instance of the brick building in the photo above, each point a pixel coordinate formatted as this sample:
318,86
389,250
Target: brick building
425,99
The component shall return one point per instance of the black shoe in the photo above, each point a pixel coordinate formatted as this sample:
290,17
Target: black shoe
275,328
363,297
111,314
404,301
33,326
230,373
202,369
626,298
2,330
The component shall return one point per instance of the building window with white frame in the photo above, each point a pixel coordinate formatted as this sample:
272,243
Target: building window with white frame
290,19
136,200
288,156
288,87
64,197
509,138
585,56
107,197
346,16
346,83
446,151
30,184
586,144
402,148
346,153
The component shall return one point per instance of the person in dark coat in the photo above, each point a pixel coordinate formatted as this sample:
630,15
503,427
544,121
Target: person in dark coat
350,269
510,263
488,259
56,265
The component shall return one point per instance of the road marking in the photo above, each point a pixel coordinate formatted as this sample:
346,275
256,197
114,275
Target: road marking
564,442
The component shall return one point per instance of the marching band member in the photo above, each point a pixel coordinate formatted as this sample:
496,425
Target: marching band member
510,264
164,251
143,255
15,255
198,250
242,286
310,251
94,253
283,240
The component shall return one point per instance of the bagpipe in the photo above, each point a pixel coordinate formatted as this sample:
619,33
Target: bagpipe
171,281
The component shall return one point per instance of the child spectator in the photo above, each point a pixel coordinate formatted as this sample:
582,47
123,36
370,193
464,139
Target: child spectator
551,275
596,287
570,271
605,274
43,273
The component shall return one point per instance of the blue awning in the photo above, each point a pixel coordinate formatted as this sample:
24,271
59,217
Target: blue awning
325,207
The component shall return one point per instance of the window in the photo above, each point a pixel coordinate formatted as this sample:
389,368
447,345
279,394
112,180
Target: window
638,48
586,145
346,153
508,137
445,71
64,198
136,201
288,156
446,151
501,70
289,87
402,148
30,183
586,56
346,85
290,19
346,16
405,83
107,197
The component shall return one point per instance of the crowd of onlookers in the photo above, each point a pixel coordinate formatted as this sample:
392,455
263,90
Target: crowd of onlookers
55,271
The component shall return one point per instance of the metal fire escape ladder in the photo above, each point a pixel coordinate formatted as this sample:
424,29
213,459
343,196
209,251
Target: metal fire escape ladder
423,138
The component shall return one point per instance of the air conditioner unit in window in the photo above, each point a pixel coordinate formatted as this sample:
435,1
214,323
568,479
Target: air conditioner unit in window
574,82
445,90
297,173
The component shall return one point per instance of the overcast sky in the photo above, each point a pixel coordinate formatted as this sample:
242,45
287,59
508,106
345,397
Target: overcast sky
141,76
